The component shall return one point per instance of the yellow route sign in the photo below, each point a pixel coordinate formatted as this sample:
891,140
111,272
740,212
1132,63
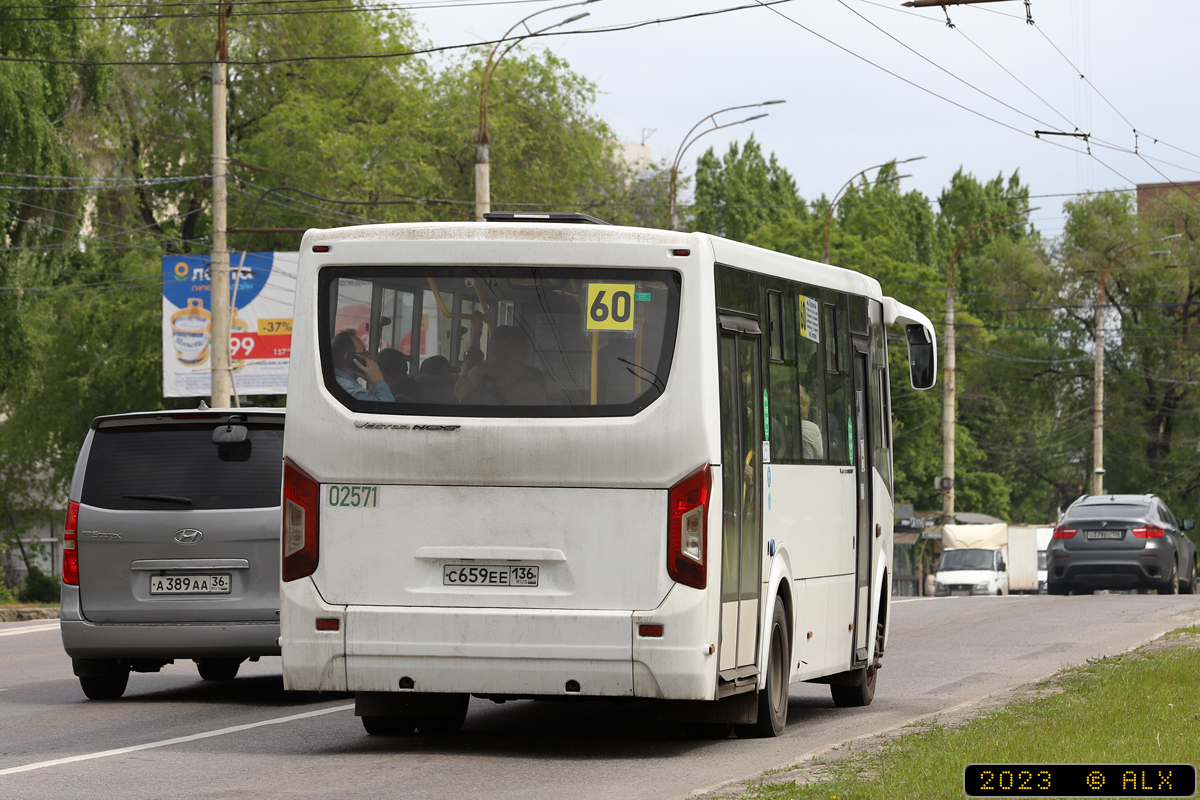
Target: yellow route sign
610,306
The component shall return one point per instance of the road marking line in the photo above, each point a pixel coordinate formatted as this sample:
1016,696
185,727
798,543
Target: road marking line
30,629
178,740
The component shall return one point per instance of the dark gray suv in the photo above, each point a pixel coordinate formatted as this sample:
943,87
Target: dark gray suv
1121,541
171,548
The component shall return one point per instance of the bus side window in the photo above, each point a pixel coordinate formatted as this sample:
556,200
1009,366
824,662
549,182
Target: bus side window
881,422
775,325
837,377
783,420
811,389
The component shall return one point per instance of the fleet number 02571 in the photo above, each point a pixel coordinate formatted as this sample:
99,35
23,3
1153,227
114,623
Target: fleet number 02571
353,496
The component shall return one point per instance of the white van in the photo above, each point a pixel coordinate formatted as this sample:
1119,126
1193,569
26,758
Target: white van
543,457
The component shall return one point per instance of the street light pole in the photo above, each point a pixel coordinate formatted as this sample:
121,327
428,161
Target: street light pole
841,194
1098,378
483,188
689,140
949,389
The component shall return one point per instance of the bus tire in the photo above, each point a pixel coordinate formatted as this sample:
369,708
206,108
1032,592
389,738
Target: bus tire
773,697
449,721
388,726
862,692
708,731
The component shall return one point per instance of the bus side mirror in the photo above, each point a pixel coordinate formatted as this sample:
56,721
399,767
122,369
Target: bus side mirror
1188,524
921,357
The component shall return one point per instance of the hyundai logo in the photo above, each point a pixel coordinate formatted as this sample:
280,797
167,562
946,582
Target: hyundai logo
188,536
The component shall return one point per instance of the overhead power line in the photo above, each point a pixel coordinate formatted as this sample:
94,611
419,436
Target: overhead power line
402,53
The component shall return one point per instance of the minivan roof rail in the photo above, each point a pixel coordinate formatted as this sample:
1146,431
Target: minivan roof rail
543,216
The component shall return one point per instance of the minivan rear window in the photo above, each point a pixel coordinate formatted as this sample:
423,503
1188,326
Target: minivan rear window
177,467
497,341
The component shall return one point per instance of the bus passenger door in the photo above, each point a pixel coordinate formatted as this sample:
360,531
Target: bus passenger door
862,470
741,531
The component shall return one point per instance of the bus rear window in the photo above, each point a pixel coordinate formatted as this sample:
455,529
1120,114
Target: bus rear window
497,341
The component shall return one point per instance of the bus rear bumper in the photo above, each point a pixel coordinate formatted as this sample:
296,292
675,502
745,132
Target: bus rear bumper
504,651
489,651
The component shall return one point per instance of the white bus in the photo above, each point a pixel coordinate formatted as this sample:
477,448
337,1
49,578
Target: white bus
542,457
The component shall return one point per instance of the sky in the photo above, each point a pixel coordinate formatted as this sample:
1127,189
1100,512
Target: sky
867,81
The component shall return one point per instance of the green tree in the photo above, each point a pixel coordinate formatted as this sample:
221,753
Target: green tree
396,134
1152,350
742,191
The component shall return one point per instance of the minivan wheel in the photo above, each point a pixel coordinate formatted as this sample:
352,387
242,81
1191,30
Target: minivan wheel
1056,588
218,669
105,687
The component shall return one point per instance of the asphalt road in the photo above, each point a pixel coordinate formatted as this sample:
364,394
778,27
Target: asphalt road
173,735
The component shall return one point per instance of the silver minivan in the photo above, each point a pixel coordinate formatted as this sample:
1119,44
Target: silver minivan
171,544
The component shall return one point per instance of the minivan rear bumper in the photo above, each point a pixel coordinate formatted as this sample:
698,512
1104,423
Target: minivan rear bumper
164,640
84,639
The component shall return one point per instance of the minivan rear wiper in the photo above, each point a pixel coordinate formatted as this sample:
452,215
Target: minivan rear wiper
165,498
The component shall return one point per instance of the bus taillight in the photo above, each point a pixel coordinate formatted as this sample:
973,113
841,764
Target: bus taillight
301,506
687,529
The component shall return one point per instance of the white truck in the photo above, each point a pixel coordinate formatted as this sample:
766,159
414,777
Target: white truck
974,560
1027,557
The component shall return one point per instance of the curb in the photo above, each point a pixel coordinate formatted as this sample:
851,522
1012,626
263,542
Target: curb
25,613
806,759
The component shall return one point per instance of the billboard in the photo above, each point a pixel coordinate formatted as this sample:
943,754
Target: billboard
263,290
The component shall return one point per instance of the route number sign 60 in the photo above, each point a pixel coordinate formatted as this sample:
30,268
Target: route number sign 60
610,306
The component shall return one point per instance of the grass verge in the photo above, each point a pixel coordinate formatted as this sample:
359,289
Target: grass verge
1136,707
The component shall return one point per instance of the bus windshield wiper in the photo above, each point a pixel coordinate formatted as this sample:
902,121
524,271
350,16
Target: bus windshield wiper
653,380
165,498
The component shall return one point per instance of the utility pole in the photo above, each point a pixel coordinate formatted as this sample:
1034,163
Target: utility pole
483,181
948,359
219,262
948,399
1112,261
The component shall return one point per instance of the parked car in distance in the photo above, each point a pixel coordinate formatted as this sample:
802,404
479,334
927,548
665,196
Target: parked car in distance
171,544
1121,541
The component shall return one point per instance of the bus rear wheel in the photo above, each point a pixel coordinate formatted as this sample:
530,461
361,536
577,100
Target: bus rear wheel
450,720
862,692
773,697
388,726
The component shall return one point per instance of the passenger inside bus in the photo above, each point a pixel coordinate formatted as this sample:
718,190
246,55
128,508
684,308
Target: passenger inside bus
353,368
504,377
812,445
436,379
394,365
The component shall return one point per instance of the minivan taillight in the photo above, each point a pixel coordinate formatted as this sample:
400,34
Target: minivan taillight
1148,532
687,529
301,505
70,572
1063,532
